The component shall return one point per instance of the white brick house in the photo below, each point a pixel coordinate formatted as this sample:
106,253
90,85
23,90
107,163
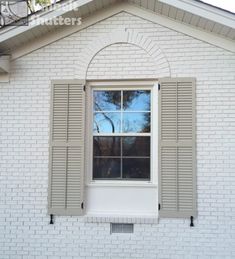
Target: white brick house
158,150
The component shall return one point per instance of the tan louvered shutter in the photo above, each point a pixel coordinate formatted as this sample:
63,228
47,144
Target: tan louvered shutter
177,185
66,148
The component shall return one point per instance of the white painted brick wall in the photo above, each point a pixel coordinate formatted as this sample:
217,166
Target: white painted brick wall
24,106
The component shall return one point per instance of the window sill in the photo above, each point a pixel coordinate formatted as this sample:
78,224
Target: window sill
121,219
121,184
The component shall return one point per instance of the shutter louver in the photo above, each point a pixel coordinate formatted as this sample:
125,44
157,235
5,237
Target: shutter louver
177,183
66,149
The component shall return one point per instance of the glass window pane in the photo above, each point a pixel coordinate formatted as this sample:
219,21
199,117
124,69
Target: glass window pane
107,146
136,122
106,168
136,168
107,100
136,146
136,100
107,122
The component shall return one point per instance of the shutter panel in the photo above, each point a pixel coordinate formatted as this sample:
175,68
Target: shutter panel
177,183
66,165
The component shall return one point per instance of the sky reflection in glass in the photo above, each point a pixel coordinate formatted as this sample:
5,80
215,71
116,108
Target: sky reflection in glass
136,100
107,100
107,122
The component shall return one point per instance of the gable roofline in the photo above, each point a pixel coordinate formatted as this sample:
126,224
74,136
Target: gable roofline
131,9
43,40
204,10
192,6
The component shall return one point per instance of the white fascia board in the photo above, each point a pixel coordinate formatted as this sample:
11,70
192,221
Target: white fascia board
50,14
203,10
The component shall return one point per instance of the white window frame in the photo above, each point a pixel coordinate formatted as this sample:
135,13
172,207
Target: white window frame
151,85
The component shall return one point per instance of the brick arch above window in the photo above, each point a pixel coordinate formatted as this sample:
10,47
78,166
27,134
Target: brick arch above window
121,61
162,67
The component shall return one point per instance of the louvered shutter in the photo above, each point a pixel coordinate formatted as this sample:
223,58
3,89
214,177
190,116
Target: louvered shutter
177,183
66,165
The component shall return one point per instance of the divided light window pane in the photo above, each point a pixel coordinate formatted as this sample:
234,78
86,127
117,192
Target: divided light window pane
107,146
136,168
136,122
136,146
106,168
107,100
117,116
136,100
105,122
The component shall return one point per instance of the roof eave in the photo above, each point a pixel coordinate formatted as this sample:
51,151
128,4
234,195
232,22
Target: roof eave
48,14
206,11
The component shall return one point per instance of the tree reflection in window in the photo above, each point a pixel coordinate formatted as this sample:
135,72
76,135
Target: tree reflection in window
117,116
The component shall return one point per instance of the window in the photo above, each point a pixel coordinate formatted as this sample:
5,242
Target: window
121,134
125,122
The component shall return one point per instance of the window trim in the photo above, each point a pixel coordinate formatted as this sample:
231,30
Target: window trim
122,85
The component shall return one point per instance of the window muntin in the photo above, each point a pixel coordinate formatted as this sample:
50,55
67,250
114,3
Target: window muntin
121,134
